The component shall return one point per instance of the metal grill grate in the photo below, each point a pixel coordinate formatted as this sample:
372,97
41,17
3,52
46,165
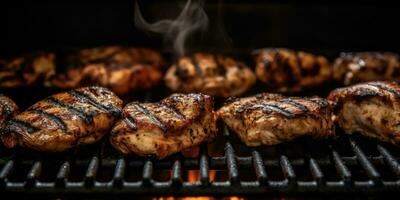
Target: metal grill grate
341,166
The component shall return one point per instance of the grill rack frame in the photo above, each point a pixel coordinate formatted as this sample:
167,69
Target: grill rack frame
147,186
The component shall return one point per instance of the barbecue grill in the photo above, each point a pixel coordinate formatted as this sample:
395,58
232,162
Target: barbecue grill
342,166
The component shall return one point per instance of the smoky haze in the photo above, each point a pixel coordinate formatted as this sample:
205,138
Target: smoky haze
176,31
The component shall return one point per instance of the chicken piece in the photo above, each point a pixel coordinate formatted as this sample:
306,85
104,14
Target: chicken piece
268,119
351,68
8,109
119,68
209,74
285,70
26,70
176,123
370,108
65,120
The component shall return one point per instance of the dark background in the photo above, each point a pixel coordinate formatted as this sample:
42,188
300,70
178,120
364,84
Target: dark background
321,27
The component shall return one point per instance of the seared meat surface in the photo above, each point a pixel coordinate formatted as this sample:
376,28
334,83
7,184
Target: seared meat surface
121,69
210,74
370,108
351,68
268,119
26,70
64,120
285,70
8,109
176,123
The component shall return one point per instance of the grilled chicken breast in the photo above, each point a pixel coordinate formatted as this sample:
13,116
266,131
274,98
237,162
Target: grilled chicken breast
8,109
370,108
351,68
177,122
268,119
209,74
121,69
26,70
64,120
285,70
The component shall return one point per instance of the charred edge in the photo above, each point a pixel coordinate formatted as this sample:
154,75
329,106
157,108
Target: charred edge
200,100
93,102
51,117
21,124
295,104
176,112
152,117
131,122
230,100
196,65
81,114
291,79
319,102
366,92
386,88
275,108
221,68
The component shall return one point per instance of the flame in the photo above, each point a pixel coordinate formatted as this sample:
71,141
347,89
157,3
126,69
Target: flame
194,175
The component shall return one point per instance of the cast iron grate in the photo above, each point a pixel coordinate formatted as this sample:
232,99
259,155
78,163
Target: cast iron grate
345,165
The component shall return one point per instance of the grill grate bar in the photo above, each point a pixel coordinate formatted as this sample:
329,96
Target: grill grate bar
119,172
389,159
6,171
316,172
231,164
368,167
203,165
62,174
288,171
259,168
91,172
341,168
33,174
176,177
147,172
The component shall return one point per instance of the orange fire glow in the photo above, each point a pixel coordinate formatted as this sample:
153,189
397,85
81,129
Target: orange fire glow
194,176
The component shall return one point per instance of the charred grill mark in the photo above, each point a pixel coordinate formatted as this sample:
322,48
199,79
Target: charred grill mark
275,108
80,113
152,117
295,104
61,124
386,88
196,65
84,97
130,121
21,124
220,68
319,102
181,73
176,112
366,92
287,69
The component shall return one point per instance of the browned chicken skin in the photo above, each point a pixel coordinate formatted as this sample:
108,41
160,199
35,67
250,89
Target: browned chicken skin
64,120
371,109
209,74
353,68
268,119
177,122
285,70
8,109
121,69
26,70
